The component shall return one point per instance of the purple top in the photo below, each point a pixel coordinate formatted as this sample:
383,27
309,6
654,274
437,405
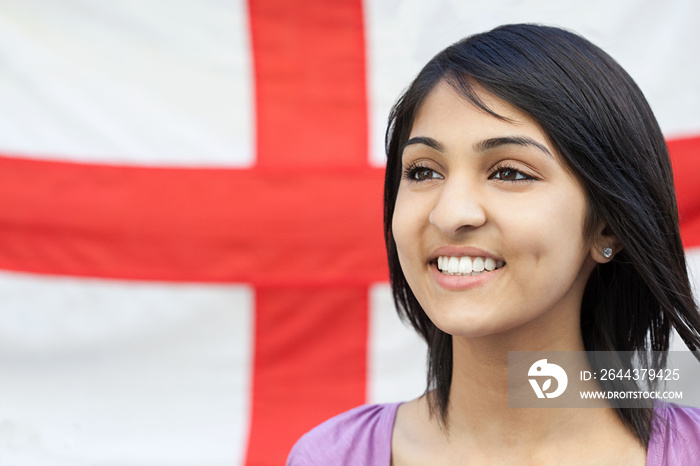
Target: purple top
362,437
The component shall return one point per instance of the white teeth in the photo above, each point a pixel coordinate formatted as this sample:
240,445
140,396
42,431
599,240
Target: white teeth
453,265
466,265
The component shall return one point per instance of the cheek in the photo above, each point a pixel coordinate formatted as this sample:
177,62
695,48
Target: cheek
566,224
550,241
403,226
408,227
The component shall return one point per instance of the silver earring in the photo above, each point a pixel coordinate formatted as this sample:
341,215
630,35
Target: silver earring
607,253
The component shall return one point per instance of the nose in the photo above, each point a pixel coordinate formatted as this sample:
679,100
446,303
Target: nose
458,208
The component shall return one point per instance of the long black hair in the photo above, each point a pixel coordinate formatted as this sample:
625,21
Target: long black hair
599,121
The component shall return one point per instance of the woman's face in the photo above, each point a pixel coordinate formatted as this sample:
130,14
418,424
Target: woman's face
488,224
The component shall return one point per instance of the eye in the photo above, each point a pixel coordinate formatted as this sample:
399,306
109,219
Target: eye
418,173
505,173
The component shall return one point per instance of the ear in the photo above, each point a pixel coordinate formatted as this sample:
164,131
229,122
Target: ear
605,246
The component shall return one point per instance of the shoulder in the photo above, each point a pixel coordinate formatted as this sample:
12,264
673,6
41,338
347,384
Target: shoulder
361,436
675,437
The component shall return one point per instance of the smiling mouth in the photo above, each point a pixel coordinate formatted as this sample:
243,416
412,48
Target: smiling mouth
467,265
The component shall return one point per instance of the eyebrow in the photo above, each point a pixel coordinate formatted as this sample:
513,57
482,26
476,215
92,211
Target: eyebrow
483,146
492,143
430,142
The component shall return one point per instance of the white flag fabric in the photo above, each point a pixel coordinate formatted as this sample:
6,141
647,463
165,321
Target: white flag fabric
191,263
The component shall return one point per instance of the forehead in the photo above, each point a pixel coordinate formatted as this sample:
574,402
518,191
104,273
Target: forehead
444,110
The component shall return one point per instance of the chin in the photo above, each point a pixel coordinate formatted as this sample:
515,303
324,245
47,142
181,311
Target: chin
466,329
470,327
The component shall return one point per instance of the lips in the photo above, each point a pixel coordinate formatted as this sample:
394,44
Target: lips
467,265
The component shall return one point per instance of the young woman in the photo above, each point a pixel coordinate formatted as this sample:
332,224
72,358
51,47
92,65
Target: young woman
529,206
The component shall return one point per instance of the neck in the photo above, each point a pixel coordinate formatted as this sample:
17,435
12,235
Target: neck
478,403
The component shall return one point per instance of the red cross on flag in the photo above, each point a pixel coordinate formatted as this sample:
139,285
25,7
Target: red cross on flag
191,257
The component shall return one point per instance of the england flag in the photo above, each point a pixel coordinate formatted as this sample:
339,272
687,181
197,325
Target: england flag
192,268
